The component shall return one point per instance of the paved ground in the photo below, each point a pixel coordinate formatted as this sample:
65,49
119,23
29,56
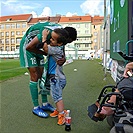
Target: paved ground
83,87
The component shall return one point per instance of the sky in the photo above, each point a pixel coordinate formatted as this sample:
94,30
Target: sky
44,8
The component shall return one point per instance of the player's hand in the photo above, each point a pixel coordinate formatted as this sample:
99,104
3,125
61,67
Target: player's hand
45,33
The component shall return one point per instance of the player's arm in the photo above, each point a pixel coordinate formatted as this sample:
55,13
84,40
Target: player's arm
45,33
32,47
45,48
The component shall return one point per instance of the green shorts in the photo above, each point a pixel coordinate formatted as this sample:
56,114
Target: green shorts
30,59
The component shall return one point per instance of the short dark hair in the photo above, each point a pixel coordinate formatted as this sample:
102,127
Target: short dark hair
63,35
72,33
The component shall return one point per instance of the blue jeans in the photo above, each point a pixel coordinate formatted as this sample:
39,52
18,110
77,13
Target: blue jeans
56,86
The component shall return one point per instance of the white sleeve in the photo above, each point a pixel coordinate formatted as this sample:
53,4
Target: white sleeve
56,52
53,27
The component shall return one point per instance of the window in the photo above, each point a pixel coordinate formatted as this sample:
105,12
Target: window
86,45
95,27
12,33
78,32
86,38
17,32
86,31
2,48
18,40
7,26
9,19
17,26
23,32
7,48
95,33
95,40
7,41
12,48
2,26
77,45
12,41
24,25
102,40
95,47
69,24
13,26
2,41
1,34
7,34
86,25
78,26
17,47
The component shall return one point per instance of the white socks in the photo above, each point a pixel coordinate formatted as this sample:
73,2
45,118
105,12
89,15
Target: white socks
44,104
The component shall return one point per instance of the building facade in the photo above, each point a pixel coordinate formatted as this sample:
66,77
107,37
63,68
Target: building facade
12,28
89,33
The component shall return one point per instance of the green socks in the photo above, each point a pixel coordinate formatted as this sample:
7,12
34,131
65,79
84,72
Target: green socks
44,98
34,92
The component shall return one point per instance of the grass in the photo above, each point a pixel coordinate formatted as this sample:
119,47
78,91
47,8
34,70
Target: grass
10,68
82,90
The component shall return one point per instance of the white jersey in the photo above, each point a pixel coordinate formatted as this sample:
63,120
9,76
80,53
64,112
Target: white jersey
56,52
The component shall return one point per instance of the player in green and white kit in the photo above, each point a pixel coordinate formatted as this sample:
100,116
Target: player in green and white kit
34,61
28,59
32,57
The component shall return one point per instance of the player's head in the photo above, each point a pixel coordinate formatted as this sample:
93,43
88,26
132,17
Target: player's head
72,33
59,37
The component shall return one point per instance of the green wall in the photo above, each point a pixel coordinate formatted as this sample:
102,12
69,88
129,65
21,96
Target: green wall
118,27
